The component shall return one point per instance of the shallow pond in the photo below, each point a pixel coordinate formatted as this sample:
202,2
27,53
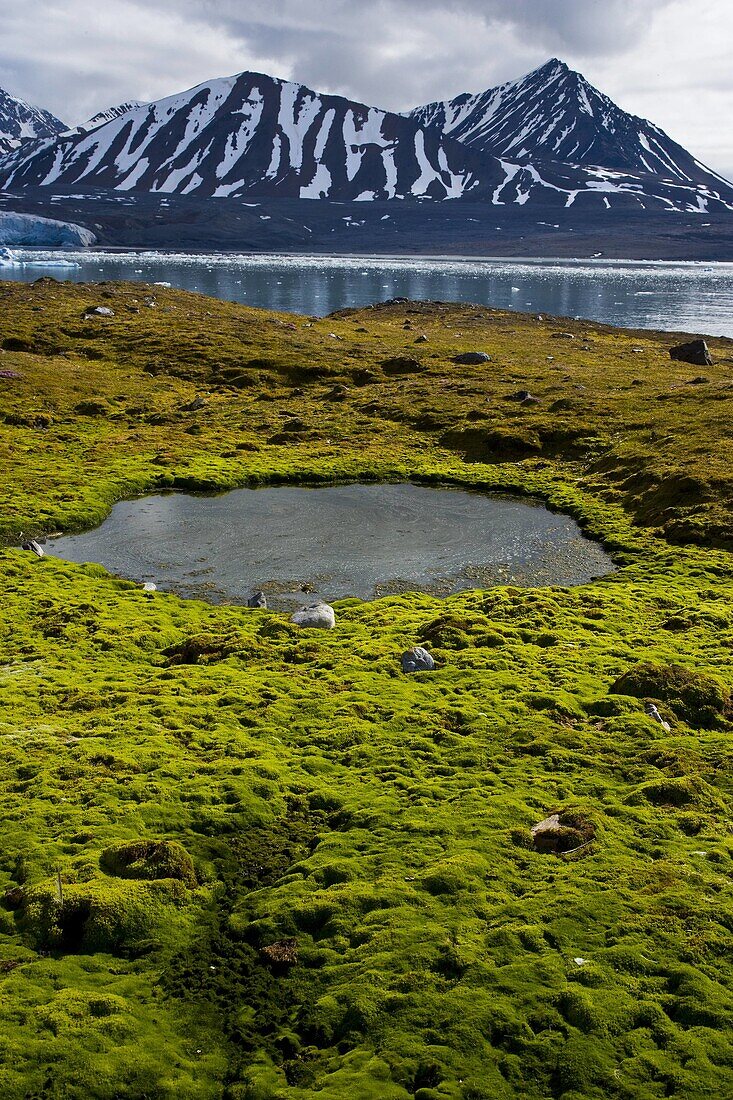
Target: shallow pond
301,544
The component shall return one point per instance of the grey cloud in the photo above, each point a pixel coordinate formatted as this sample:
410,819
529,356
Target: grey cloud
390,53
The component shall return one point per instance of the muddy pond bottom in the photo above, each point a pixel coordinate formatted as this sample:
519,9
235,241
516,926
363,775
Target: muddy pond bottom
299,545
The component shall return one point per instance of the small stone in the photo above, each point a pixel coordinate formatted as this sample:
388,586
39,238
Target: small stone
421,339
562,833
417,659
530,400
364,377
694,351
193,406
320,617
471,358
149,587
654,714
257,600
519,395
33,547
99,311
561,336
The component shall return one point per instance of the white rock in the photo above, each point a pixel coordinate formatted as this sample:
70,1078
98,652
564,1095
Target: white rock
321,616
551,822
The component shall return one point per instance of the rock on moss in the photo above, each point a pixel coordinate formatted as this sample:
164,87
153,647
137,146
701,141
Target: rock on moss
562,832
320,617
417,659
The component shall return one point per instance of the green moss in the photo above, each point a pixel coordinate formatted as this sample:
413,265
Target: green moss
184,785
149,859
697,698
101,916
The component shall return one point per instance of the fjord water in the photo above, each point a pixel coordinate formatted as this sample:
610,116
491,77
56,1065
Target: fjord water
686,297
302,544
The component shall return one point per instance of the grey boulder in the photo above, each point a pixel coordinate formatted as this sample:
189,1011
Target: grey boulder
417,659
471,358
257,600
321,617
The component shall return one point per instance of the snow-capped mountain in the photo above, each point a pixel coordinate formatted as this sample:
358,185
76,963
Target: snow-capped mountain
256,135
550,140
554,114
20,121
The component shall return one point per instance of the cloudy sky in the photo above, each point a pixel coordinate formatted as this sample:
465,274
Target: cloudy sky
668,60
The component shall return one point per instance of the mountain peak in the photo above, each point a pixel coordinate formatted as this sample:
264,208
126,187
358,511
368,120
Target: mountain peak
21,121
253,134
553,114
553,65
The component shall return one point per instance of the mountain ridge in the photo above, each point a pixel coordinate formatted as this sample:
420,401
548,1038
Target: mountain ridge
549,138
22,122
575,124
252,133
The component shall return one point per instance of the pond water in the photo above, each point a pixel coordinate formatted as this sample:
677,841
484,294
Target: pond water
300,545
689,297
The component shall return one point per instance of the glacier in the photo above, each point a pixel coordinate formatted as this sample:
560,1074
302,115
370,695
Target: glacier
29,229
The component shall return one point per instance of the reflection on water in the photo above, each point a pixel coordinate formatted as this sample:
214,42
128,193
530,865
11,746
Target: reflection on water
298,544
690,297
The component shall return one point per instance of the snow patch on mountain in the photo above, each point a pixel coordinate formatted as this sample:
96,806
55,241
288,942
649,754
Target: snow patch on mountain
111,112
254,134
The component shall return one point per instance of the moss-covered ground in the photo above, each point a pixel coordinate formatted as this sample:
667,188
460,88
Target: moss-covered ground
249,861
